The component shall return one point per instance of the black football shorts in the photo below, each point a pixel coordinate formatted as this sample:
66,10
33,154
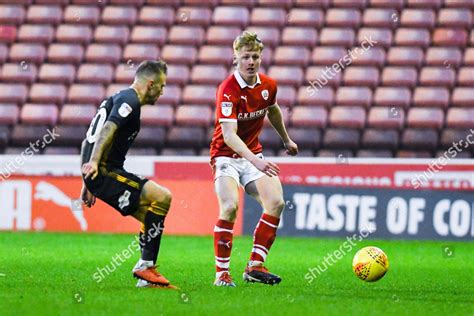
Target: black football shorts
118,188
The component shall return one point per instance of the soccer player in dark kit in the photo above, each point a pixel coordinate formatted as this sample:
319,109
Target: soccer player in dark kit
110,135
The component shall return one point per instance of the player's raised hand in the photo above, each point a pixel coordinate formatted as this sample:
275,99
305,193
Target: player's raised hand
87,197
90,170
291,148
267,167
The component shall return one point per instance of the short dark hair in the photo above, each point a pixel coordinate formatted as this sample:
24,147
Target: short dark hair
150,68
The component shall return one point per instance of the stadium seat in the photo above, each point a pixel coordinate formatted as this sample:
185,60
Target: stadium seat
468,56
44,14
22,135
246,3
13,93
375,56
7,33
147,34
332,36
209,54
177,74
463,96
319,76
379,17
412,37
396,4
65,53
392,97
455,17
237,16
82,14
95,73
306,138
39,114
47,93
405,56
71,135
315,97
286,95
112,34
268,17
287,75
309,116
188,137
341,138
194,16
77,114
413,154
74,34
301,152
180,54
27,53
291,55
18,73
12,14
61,151
311,4
425,118
171,95
302,36
361,4
119,15
443,56
270,36
136,53
137,3
466,76
422,18
133,151
178,152
186,35
373,138
437,76
125,73
450,37
347,117
354,96
151,137
433,4
86,93
399,77
286,4
156,15
339,17
3,53
199,94
419,139
327,55
431,96
157,115
269,139
194,115
451,135
306,17
103,53
386,117
209,3
208,74
460,118
9,115
361,76
115,87
285,112
458,4
340,155
374,37
221,35
373,153
89,2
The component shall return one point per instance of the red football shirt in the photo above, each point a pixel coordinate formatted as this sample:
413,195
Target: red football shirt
236,101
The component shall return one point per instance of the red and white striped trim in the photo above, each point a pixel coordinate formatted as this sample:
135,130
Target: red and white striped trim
268,223
262,251
223,263
218,229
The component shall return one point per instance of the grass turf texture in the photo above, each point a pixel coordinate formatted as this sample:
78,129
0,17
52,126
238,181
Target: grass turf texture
51,274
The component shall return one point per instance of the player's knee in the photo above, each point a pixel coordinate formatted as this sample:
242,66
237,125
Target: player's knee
229,210
277,205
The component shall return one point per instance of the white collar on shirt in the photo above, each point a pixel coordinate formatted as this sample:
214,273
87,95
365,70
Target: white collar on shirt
242,82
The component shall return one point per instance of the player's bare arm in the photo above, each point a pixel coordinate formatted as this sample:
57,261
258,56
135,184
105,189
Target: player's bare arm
229,131
276,119
86,196
106,136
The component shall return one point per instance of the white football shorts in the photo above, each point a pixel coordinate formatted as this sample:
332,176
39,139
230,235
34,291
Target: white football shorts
240,169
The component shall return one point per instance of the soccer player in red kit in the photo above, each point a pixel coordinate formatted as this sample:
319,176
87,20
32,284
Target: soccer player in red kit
243,100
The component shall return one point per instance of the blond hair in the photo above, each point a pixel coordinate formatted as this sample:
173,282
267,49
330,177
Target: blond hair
248,39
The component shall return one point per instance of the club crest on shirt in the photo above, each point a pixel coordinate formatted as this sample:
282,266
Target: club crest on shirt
125,110
265,94
226,108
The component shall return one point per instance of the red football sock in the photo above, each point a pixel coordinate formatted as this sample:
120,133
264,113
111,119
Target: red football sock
223,233
263,237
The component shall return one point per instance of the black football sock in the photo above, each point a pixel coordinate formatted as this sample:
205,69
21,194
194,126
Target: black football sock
154,225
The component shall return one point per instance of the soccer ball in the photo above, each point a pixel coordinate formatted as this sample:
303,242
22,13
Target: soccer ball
370,264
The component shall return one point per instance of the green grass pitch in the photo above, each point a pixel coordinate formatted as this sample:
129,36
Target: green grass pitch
51,274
